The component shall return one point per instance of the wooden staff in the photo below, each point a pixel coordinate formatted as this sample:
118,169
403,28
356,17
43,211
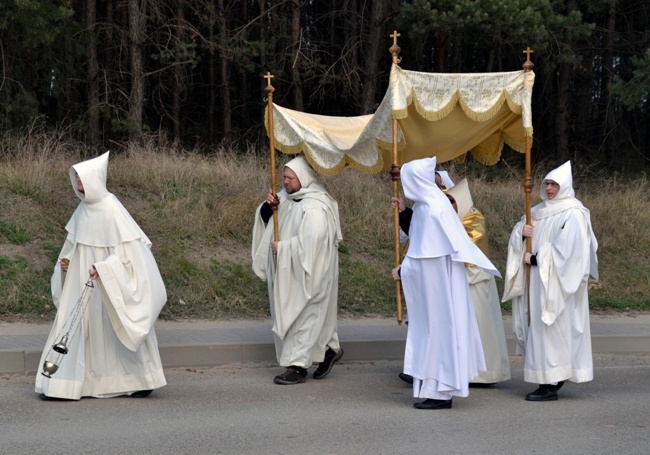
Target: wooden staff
528,187
269,105
394,172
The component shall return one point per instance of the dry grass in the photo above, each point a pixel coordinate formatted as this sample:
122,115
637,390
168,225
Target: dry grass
198,210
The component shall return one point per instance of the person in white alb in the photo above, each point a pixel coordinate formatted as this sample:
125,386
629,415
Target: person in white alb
443,346
482,285
112,346
302,272
557,344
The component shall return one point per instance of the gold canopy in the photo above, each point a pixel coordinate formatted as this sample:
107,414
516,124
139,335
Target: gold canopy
443,115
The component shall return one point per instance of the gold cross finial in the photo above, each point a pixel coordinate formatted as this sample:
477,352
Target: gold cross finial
528,65
268,77
394,36
528,51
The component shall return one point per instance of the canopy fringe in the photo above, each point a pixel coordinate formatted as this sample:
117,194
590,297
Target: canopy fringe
457,98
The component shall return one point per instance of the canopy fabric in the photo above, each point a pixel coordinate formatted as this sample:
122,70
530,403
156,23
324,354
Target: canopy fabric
439,114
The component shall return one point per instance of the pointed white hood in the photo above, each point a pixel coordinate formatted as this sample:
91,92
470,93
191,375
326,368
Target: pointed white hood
436,229
93,174
566,200
561,175
565,197
100,219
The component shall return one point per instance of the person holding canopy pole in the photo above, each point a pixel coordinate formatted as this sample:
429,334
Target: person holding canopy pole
302,272
443,345
298,257
550,305
482,285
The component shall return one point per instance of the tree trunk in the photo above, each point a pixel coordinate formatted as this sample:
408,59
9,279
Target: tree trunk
608,76
178,72
245,92
440,51
262,137
92,75
137,14
108,61
296,39
352,15
212,72
564,76
377,46
562,112
490,61
225,70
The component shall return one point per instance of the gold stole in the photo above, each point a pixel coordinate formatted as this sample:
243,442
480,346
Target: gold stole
474,224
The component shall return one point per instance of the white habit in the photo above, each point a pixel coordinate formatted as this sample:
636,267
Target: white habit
303,285
483,289
113,349
557,344
443,345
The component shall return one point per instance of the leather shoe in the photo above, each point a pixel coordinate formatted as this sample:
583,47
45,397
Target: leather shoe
406,377
291,376
430,403
481,385
331,357
545,392
141,394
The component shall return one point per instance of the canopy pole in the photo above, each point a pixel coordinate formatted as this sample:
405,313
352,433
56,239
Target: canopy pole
528,186
269,106
394,172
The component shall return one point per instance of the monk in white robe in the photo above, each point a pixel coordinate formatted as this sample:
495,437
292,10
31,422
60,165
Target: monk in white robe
483,289
557,344
112,346
443,346
302,272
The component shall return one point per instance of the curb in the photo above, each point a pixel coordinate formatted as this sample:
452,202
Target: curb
26,361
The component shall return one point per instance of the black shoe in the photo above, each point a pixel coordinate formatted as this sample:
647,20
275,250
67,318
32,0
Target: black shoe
325,366
545,392
291,376
481,385
141,394
430,403
559,385
406,377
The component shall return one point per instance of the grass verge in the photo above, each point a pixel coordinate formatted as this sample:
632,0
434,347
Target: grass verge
198,210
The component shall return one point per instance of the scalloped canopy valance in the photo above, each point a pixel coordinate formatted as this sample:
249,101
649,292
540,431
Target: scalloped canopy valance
443,115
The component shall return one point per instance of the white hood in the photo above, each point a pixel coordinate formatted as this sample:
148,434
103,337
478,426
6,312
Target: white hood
436,229
100,219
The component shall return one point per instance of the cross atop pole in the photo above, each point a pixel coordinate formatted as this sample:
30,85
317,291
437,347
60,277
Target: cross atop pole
528,65
271,128
394,49
528,51
268,77
269,88
394,35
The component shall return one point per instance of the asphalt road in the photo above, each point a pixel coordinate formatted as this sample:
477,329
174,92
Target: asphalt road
360,408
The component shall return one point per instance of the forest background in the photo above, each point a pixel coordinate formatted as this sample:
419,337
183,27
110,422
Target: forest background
175,89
